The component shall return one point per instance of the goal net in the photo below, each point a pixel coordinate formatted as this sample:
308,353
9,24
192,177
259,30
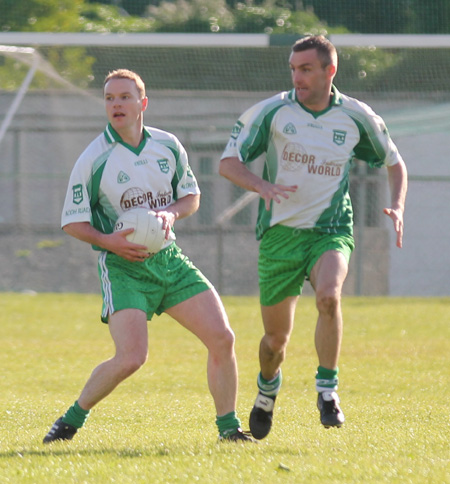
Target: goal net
198,84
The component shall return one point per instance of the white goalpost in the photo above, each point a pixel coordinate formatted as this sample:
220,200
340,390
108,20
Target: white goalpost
24,55
408,41
31,58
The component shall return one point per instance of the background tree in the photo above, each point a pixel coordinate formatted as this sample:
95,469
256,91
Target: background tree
370,16
40,15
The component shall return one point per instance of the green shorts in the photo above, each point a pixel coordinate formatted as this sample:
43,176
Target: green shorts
158,283
287,256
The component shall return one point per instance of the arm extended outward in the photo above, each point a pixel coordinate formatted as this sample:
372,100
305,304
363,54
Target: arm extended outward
398,182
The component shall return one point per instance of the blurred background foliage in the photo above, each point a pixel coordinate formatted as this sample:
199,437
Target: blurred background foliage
365,69
251,16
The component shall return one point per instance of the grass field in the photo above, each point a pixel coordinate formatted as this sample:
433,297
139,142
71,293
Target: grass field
158,426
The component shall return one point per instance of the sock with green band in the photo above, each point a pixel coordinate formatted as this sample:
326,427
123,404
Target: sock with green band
228,424
270,388
76,416
326,380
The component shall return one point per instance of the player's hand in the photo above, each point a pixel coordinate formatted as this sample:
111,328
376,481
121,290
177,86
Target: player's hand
168,219
397,217
270,191
122,247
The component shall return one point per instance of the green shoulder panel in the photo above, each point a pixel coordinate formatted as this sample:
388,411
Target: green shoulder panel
370,148
178,175
258,136
100,220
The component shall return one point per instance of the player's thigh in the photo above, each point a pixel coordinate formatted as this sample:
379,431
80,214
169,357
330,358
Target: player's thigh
278,319
205,316
129,332
328,265
329,273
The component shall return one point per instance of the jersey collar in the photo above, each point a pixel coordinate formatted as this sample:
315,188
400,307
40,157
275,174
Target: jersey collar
112,136
336,100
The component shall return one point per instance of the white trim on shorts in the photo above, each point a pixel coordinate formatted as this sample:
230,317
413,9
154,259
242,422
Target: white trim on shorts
108,305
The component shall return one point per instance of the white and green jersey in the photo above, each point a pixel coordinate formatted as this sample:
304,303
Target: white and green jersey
111,177
313,150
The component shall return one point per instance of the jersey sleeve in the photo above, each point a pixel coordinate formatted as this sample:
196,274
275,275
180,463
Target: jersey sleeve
375,146
250,135
77,206
184,182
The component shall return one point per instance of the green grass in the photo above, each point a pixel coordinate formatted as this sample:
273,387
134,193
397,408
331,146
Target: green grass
158,426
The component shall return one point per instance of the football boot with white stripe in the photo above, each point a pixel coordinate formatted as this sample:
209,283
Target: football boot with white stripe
60,431
330,412
261,416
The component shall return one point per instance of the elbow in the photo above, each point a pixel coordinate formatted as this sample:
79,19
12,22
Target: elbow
196,204
67,228
225,166
192,207
222,168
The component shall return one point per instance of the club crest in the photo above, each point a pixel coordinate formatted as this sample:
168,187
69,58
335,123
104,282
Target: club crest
77,194
163,165
339,136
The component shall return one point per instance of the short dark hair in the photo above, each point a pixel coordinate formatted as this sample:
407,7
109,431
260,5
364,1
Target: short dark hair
326,51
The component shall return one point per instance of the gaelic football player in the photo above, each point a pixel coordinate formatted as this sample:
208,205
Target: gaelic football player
126,166
308,137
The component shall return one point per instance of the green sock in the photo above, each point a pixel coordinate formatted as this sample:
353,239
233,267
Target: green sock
76,416
228,424
326,380
270,388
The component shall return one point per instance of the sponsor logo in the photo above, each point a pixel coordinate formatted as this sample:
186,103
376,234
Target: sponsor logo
74,211
122,177
141,162
325,169
294,157
136,197
188,185
77,194
313,125
163,165
289,129
339,136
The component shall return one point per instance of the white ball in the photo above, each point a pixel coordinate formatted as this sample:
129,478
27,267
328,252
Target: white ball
147,227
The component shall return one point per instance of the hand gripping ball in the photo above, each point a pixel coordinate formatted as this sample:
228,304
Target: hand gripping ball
147,227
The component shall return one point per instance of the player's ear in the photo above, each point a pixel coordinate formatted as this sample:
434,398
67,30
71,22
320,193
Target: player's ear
332,69
144,103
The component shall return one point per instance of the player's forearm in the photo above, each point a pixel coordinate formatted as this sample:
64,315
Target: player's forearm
87,233
232,169
184,207
398,182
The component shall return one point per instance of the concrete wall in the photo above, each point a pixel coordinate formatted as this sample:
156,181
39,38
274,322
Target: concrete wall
49,132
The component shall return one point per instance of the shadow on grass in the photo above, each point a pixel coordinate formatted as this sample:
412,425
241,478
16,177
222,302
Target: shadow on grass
163,451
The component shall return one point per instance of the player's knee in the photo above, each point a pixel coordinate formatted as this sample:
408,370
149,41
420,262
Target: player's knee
222,341
276,343
328,302
227,338
131,363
